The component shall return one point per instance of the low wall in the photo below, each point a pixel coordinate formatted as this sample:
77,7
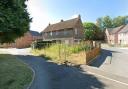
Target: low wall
84,57
90,55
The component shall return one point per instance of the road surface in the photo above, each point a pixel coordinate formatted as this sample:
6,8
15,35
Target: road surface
49,75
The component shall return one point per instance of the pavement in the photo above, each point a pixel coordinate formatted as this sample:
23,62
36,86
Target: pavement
113,60
49,75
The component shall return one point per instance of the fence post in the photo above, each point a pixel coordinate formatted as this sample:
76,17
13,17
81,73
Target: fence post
59,50
65,51
44,49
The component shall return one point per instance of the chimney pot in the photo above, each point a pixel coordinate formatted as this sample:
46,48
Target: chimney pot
62,20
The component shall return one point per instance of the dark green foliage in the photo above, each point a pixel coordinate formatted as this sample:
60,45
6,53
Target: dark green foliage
108,22
120,20
92,32
14,20
99,23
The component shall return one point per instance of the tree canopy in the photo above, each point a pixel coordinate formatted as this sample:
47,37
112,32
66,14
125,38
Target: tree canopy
108,22
92,32
14,20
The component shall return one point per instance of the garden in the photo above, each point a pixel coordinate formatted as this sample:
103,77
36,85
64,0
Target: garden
64,53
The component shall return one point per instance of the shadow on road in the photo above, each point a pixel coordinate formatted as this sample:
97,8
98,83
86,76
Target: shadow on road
60,76
102,57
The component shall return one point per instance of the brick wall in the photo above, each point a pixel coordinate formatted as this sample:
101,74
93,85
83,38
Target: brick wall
21,42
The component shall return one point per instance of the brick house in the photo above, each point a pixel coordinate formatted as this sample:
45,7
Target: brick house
68,31
112,35
24,41
123,36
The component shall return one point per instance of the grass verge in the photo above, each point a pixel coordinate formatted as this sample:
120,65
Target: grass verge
14,74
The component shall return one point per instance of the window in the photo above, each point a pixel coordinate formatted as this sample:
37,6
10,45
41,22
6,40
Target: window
76,31
57,32
51,33
65,32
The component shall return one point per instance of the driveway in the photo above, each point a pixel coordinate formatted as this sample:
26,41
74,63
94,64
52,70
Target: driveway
113,60
49,75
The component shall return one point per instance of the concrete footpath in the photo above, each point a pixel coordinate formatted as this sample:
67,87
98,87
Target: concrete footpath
113,60
115,78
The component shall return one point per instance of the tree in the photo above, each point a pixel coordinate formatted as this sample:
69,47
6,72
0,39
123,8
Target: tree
91,31
126,19
14,20
120,20
107,22
99,23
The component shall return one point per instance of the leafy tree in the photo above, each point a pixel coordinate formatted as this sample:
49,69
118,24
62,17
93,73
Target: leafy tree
126,19
99,23
120,20
91,31
14,20
107,22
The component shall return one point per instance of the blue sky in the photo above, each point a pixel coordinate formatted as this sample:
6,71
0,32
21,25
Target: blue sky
52,11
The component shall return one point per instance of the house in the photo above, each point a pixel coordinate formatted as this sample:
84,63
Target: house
68,31
24,41
112,34
123,36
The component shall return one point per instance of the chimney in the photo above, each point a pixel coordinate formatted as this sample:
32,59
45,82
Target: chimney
61,20
49,24
79,16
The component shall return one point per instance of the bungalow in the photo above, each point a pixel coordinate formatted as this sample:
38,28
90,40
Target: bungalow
68,31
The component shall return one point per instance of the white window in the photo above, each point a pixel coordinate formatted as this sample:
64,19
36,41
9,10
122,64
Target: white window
65,32
57,33
51,33
75,30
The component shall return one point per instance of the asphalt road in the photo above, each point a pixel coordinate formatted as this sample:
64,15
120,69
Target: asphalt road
49,75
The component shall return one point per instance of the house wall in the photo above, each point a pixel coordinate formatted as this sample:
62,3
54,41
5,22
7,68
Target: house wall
123,38
80,30
109,37
63,33
112,40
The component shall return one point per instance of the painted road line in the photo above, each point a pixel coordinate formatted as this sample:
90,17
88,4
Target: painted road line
108,78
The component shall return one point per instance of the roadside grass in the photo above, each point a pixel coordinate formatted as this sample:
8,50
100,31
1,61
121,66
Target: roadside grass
59,53
14,74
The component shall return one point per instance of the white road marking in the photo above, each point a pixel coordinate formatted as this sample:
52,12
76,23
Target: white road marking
108,78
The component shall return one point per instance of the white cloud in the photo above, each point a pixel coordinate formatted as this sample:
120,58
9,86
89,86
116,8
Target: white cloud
39,15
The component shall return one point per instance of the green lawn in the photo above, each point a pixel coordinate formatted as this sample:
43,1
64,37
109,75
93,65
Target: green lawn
14,74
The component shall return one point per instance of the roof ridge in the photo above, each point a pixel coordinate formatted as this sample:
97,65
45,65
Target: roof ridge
63,21
62,25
